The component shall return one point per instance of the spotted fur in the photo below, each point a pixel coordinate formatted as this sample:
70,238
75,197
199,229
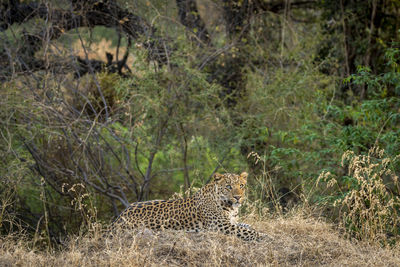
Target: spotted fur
214,207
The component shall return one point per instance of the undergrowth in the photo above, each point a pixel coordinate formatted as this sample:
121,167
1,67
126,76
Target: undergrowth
297,236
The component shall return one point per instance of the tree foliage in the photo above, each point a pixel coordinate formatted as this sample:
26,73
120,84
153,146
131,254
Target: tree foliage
108,102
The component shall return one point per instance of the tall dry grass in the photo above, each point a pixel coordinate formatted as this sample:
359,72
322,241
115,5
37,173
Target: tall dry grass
297,240
369,208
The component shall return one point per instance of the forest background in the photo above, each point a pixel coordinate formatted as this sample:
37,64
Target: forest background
104,103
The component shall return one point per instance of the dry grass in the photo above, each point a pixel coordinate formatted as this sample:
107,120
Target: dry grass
294,241
369,210
89,50
98,51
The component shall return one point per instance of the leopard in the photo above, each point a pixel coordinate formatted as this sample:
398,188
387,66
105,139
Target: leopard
214,207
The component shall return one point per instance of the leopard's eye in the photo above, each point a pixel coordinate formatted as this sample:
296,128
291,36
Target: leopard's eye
229,187
241,185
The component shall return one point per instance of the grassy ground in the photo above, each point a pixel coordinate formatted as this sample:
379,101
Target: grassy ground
295,240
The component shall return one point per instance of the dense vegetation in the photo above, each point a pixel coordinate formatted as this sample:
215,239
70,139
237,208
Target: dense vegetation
103,103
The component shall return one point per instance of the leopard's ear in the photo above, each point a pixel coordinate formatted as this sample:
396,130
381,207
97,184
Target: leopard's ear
217,176
244,175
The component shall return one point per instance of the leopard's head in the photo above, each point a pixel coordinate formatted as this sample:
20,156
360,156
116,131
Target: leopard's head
230,188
